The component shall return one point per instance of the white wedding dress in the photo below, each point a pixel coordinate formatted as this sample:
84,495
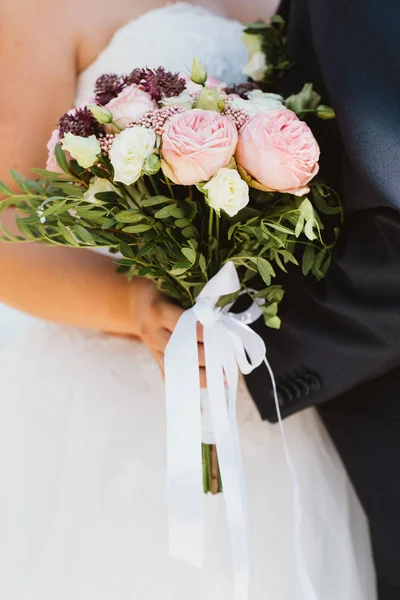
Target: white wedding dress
83,513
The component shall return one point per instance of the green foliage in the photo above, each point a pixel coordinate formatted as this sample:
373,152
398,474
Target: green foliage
174,237
273,43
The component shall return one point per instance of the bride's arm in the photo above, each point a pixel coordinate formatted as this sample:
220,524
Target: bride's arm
70,286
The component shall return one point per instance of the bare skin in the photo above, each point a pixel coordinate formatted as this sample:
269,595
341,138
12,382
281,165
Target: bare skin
41,56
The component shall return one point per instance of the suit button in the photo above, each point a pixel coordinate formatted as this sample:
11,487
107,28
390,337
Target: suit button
303,386
313,381
284,394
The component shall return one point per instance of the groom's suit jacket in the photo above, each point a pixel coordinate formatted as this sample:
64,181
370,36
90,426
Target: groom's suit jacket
341,337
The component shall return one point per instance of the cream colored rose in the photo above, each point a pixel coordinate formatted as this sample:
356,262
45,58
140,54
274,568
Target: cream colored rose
97,186
256,66
129,151
184,99
227,191
257,102
84,150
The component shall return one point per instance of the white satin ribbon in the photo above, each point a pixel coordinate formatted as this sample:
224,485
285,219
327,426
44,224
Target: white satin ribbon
229,345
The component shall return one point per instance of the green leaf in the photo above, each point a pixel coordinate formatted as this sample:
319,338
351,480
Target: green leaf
179,270
141,228
68,234
84,235
163,213
108,224
144,270
4,189
61,159
309,230
308,259
181,223
126,250
129,216
202,263
324,202
148,247
188,232
307,99
20,180
190,254
265,269
154,200
107,196
176,211
271,310
273,322
299,226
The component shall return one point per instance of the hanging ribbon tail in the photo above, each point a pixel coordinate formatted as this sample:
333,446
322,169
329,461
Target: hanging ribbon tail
230,345
217,352
184,458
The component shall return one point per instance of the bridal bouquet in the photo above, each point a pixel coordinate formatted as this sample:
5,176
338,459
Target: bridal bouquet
178,176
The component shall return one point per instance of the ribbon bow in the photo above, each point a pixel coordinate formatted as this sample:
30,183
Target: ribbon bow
229,345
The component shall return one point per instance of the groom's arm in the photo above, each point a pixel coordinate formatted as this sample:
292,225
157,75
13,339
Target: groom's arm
345,331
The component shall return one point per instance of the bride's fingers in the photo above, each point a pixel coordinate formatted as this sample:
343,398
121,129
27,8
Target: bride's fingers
170,315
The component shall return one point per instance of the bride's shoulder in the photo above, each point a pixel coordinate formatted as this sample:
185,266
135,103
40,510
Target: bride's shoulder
80,27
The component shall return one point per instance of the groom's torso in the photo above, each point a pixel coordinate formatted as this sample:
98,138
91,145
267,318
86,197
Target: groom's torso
345,331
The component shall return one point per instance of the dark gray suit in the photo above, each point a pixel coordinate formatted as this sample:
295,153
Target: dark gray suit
339,345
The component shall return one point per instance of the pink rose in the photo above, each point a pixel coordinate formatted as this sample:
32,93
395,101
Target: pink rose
196,144
278,151
130,105
195,88
52,164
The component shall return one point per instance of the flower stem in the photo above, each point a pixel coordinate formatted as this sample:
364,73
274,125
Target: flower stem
154,185
117,126
170,188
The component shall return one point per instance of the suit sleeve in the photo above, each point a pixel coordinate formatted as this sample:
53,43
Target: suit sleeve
345,331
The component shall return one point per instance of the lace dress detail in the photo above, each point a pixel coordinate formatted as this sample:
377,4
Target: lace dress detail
171,37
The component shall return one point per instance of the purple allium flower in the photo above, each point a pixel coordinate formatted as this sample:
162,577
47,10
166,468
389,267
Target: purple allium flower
158,83
108,87
242,89
80,122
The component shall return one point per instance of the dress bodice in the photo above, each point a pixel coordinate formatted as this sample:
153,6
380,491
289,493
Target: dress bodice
170,37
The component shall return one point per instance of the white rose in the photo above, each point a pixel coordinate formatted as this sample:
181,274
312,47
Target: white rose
84,150
253,42
97,186
257,102
129,151
256,66
184,99
227,191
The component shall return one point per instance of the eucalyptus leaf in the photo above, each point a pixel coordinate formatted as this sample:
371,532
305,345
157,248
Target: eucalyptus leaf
5,190
141,228
156,200
265,269
129,216
190,254
126,250
68,234
61,159
308,259
84,235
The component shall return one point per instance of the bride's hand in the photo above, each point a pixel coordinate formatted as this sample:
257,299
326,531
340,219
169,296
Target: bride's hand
156,318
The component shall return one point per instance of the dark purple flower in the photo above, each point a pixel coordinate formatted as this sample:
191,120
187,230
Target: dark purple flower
158,83
242,89
81,122
108,87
